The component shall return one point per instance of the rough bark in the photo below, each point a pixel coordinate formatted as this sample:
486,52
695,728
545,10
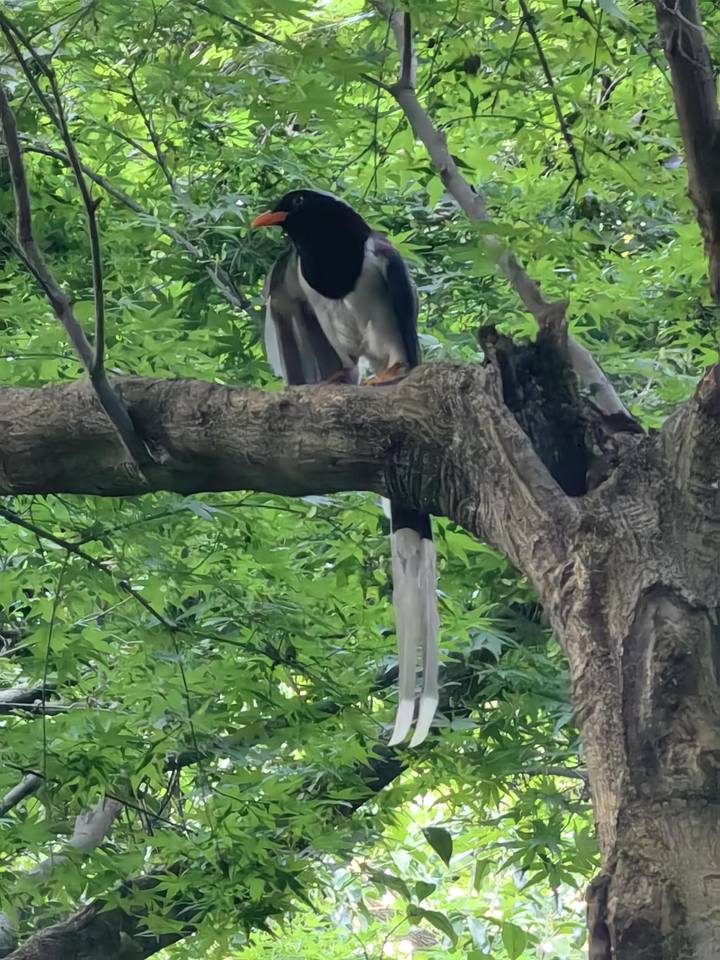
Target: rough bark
637,615
695,93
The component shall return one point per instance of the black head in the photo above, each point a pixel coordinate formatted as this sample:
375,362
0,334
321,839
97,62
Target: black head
328,235
309,216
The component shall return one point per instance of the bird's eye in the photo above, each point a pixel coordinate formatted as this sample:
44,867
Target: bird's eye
298,201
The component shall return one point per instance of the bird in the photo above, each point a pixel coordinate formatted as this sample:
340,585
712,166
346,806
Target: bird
340,295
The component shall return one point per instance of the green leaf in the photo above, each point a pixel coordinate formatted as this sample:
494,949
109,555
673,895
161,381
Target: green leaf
440,922
441,842
383,879
514,939
481,869
423,889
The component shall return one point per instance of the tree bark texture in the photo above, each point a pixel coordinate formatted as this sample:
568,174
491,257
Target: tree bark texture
618,531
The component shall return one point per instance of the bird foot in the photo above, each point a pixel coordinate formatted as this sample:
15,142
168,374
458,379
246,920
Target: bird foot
394,373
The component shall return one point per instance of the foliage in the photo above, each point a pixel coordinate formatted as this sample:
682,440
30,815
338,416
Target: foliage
235,699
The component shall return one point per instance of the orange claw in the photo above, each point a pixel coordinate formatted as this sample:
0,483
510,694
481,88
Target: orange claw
390,375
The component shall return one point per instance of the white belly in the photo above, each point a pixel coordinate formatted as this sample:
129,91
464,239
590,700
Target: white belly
363,324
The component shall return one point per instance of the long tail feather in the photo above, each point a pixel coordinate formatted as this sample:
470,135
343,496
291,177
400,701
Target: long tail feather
416,620
431,627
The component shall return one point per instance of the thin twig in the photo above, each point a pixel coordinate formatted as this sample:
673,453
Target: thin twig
152,133
74,548
564,129
251,31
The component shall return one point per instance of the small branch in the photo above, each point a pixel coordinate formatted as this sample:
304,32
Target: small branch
57,115
407,59
29,785
694,90
564,129
76,549
59,301
152,133
243,27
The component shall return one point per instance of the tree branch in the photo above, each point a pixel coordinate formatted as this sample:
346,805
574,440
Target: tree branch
694,90
550,317
98,933
91,828
691,444
441,440
160,158
14,698
31,699
59,301
29,785
57,116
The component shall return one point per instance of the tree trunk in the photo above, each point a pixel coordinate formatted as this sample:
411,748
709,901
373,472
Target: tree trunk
636,610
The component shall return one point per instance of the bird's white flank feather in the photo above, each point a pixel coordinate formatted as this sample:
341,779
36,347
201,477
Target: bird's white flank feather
272,348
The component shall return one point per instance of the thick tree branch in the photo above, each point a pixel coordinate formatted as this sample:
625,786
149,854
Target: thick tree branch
96,933
550,316
694,90
441,440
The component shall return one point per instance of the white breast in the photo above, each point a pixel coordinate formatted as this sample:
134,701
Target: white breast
362,324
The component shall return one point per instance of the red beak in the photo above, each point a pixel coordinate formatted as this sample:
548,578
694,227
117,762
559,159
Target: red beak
269,219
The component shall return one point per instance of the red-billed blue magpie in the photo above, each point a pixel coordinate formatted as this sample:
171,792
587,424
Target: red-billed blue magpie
340,294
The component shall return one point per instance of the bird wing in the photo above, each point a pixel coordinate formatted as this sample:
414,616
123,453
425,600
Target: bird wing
402,293
296,347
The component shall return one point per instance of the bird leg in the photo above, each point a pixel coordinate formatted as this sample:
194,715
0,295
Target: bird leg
394,373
